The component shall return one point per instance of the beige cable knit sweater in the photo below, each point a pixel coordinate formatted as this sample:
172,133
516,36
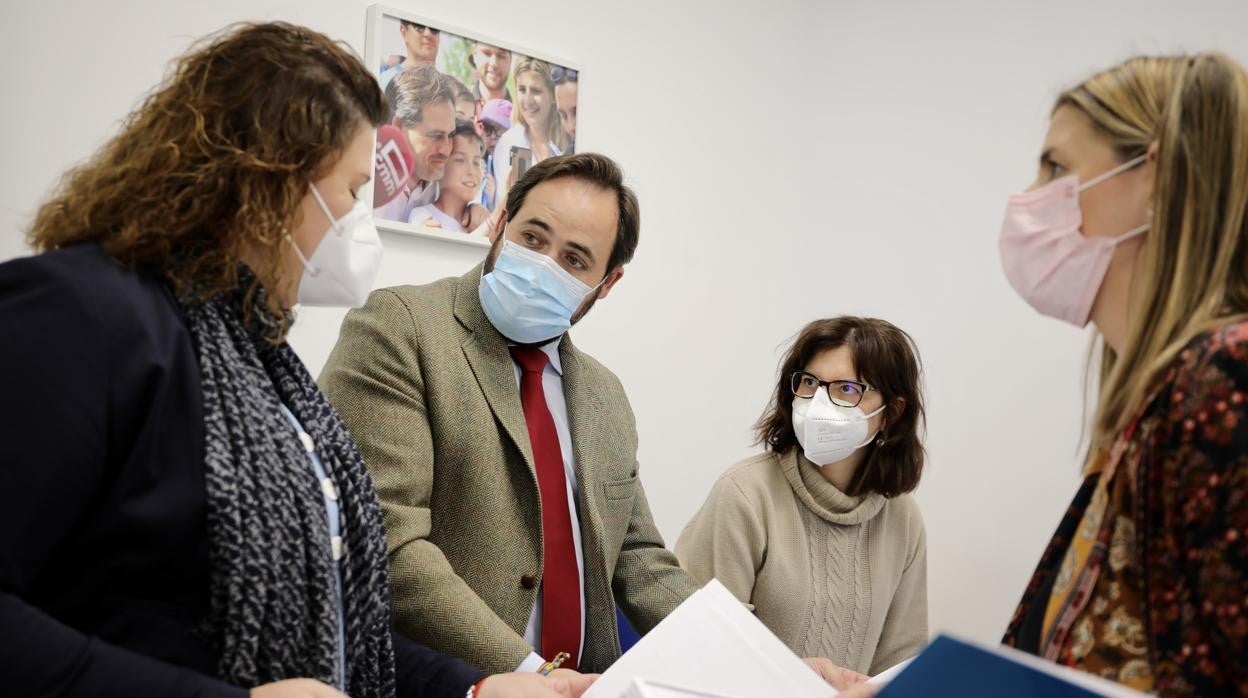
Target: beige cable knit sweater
831,575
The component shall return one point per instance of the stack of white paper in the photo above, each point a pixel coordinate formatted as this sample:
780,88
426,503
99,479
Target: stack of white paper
710,647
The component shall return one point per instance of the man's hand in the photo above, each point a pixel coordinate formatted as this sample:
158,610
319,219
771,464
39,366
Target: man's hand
562,683
836,677
862,690
474,216
577,682
295,688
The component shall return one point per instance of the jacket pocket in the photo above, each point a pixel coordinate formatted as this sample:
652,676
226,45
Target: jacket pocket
617,490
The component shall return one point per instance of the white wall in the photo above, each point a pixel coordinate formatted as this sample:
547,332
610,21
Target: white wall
816,158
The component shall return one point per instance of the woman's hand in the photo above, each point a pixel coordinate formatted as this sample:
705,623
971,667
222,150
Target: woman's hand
563,683
296,688
836,677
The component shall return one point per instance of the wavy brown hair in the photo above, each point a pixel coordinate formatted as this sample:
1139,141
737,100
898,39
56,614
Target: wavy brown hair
214,162
884,357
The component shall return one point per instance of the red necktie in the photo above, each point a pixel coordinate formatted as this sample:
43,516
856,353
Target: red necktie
561,587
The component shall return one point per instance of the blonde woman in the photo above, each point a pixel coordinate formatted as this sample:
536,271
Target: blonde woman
1137,223
535,125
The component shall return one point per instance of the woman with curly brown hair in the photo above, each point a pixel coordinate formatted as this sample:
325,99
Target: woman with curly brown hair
183,512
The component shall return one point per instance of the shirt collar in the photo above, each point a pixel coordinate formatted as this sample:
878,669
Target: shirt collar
551,349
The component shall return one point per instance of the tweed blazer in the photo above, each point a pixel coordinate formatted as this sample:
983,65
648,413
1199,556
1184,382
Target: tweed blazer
428,389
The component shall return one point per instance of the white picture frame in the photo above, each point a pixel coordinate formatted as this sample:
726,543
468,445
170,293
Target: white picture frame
379,46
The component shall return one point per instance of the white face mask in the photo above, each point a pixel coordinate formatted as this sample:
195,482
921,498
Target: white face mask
828,432
344,265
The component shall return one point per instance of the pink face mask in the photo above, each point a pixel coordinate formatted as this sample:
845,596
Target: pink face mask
1047,259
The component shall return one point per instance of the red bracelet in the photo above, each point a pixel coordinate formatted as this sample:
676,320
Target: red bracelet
472,692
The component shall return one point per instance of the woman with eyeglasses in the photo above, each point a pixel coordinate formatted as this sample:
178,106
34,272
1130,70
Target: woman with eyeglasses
818,534
535,122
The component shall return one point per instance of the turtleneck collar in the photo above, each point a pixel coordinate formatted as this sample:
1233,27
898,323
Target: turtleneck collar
823,498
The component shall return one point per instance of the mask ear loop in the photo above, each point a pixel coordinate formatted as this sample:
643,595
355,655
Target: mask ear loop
333,224
502,234
324,208
873,436
594,289
312,271
1130,164
1132,233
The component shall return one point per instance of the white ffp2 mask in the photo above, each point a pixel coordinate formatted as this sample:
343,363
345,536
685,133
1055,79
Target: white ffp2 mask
828,432
342,269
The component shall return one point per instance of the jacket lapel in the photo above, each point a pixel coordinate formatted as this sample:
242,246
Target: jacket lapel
486,351
585,415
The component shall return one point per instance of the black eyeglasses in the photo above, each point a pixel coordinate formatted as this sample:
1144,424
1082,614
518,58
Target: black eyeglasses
560,75
843,393
418,27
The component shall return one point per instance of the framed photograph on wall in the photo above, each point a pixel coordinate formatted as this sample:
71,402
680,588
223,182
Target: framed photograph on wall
467,115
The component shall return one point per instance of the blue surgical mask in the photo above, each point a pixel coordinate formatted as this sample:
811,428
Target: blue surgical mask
528,297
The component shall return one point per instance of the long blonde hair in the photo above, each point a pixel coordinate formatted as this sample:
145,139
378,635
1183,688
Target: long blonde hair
1192,274
551,130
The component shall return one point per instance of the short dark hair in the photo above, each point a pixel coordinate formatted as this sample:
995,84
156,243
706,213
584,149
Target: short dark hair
596,169
477,45
459,91
415,88
884,357
463,127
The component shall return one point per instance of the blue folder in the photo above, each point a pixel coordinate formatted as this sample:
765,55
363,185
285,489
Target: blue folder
949,667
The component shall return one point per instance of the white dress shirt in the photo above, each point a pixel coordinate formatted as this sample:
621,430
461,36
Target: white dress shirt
552,386
400,207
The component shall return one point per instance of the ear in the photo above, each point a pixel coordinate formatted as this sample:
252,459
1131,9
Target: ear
496,243
1154,149
497,224
609,283
895,409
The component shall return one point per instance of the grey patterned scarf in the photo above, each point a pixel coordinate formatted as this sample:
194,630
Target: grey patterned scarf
273,613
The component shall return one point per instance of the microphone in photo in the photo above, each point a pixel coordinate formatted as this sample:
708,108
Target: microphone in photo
392,164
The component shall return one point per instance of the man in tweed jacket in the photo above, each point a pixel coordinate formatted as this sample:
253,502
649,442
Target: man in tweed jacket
430,392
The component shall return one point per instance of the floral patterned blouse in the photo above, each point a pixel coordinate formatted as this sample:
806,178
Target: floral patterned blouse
1146,579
